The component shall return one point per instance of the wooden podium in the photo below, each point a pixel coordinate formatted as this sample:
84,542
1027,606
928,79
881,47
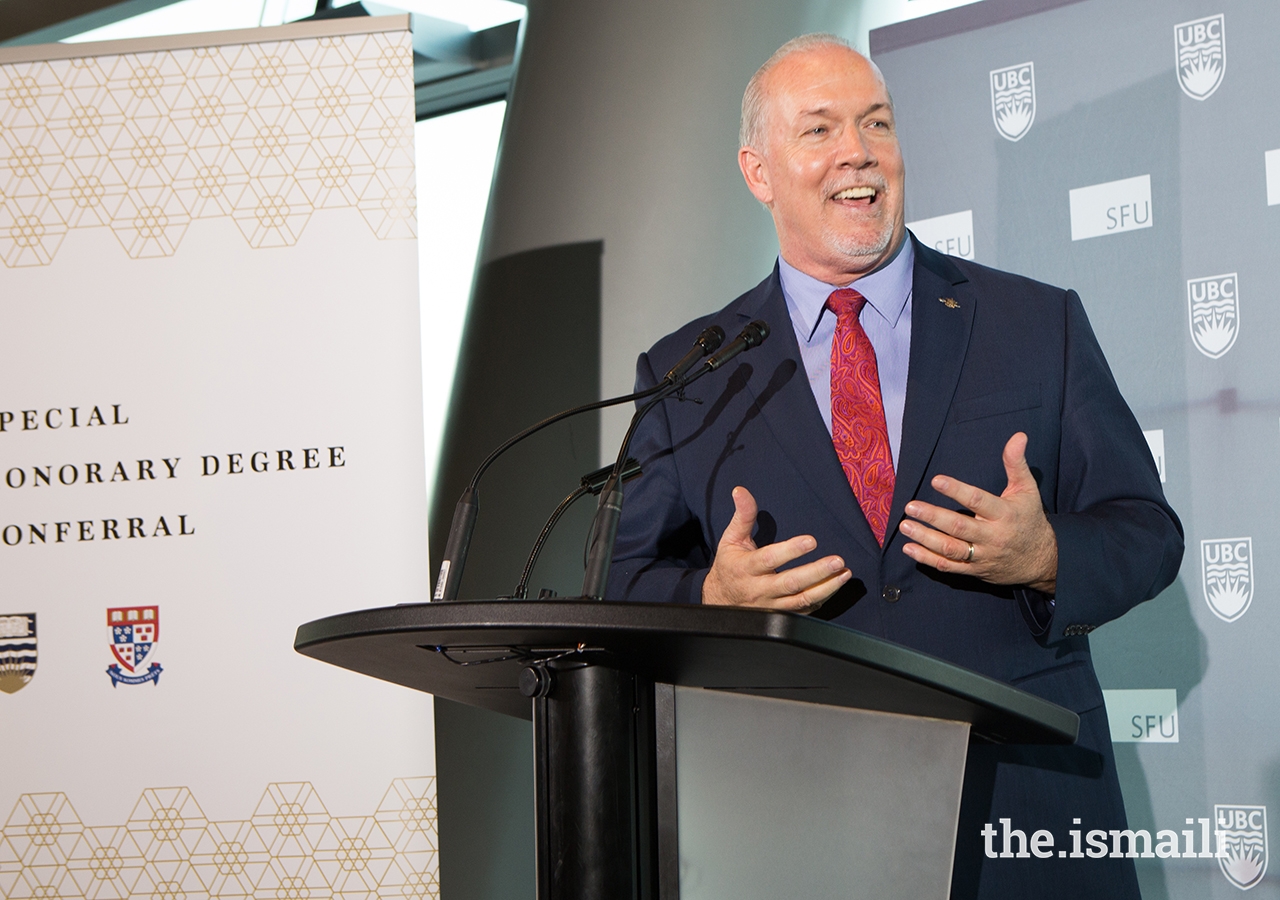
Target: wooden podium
689,751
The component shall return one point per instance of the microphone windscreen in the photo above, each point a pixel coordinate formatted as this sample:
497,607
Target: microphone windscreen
711,339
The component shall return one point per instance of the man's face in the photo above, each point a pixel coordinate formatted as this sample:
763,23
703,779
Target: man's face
830,169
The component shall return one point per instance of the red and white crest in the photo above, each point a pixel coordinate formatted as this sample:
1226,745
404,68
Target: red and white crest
134,631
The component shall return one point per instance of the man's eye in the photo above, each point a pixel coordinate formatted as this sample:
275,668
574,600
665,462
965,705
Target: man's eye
818,129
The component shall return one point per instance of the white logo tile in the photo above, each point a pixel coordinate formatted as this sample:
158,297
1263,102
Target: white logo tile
1143,716
1111,207
951,234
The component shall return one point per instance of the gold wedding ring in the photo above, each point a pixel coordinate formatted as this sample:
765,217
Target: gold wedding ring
969,558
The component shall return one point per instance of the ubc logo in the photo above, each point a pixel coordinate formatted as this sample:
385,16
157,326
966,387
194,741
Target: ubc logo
1214,304
1242,843
1201,46
1227,567
17,651
1013,99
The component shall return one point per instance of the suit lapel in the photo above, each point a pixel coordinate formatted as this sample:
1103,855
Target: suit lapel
939,340
792,413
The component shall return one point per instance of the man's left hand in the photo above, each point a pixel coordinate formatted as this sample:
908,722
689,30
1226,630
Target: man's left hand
1012,542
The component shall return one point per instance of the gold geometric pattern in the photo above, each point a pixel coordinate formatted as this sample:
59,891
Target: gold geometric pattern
290,848
266,134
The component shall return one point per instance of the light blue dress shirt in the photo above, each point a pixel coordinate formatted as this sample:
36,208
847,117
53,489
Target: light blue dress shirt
886,319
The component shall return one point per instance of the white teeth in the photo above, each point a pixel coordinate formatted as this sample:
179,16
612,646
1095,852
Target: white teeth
856,193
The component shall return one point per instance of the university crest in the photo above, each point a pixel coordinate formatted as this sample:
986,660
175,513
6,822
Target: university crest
1013,100
134,632
1242,843
1214,305
1201,45
17,651
1227,568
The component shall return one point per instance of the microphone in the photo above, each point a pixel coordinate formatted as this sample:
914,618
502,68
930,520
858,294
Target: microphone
704,345
604,528
467,509
752,336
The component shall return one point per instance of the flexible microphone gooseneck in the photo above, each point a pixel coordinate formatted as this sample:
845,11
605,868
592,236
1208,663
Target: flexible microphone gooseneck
592,483
468,507
604,528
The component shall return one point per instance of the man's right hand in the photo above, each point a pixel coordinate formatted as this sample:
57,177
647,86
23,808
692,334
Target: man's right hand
746,575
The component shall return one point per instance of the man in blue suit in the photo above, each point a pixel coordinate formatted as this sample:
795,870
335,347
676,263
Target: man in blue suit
1023,508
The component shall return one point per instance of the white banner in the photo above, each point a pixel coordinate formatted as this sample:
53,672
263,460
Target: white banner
210,432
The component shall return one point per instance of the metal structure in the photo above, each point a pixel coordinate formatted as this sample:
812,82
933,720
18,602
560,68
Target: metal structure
453,67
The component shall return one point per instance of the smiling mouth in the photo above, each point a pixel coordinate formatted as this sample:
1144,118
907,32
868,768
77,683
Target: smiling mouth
856,196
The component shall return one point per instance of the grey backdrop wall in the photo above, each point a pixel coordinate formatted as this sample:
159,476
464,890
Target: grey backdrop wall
1113,101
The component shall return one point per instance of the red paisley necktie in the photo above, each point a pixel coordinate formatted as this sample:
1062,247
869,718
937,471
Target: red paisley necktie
858,428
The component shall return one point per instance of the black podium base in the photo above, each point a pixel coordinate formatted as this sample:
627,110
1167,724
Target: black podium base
594,785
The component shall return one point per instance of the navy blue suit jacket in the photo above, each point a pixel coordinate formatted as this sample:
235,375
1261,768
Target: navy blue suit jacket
1002,354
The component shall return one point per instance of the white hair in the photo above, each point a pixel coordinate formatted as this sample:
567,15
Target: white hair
753,99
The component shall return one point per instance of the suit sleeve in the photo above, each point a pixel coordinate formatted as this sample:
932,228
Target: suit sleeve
661,555
1119,542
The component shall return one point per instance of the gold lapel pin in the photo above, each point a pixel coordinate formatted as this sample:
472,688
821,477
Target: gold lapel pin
949,303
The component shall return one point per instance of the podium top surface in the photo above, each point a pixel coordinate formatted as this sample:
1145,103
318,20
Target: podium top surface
473,651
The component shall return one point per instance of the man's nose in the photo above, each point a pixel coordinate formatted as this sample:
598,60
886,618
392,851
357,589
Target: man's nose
853,150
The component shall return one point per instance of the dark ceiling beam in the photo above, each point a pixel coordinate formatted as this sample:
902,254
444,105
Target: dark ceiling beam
46,21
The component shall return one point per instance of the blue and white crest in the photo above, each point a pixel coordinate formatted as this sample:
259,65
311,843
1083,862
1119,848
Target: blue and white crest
134,632
1201,45
17,651
1227,567
1214,305
1013,99
1242,843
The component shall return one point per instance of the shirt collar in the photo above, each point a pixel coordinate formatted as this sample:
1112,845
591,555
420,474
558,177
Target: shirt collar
886,290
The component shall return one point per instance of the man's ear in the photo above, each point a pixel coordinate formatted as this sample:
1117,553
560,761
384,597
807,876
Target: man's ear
756,173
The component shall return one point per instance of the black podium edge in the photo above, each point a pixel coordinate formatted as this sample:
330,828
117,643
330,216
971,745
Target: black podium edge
716,622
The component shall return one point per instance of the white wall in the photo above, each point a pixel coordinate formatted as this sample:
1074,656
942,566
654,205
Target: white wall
455,158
